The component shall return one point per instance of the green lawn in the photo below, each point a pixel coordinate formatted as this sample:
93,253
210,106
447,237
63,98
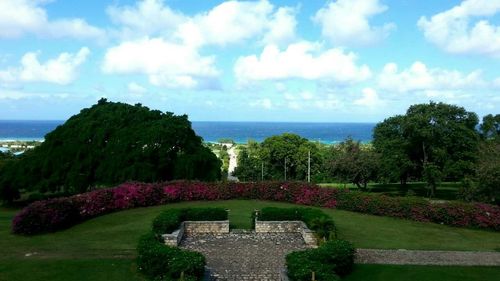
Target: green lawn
373,272
445,190
103,248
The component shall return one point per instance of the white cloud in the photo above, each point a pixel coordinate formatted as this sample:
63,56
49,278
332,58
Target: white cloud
264,103
61,70
282,27
369,99
19,17
135,88
303,60
419,78
496,83
329,102
464,29
148,17
166,64
165,44
227,23
346,22
294,105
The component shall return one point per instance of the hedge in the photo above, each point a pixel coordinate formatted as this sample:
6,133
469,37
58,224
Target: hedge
42,216
315,219
332,259
161,262
169,220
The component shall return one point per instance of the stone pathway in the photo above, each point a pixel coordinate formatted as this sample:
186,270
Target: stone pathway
233,163
417,257
245,255
249,256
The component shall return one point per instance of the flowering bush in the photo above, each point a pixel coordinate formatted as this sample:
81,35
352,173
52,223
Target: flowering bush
46,216
130,195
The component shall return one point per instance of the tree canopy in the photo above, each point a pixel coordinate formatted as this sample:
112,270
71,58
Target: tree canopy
490,127
273,153
350,162
432,141
110,143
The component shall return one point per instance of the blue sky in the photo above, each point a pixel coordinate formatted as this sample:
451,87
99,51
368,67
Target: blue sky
317,61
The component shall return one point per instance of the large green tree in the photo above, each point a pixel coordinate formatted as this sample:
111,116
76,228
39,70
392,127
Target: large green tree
488,171
268,159
348,161
250,165
290,152
110,143
389,140
435,141
490,127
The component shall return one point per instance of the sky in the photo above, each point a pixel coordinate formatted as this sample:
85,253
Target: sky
295,61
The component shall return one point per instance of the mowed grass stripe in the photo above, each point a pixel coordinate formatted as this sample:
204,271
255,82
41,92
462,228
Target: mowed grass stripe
117,233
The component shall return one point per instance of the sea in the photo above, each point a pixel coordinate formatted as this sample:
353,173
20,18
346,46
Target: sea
212,131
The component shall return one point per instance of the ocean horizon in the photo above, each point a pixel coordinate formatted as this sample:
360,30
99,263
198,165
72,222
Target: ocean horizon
212,131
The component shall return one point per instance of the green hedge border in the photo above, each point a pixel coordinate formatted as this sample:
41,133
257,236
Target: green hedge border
158,261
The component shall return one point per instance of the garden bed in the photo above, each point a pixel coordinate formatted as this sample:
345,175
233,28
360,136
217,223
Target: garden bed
55,214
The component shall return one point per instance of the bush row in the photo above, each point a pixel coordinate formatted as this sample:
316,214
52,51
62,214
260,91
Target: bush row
52,214
161,262
315,219
169,220
332,259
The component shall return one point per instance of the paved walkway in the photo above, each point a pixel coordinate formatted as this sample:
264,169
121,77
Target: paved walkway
233,163
247,256
416,257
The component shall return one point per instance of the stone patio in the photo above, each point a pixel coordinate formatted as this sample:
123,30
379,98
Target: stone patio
245,255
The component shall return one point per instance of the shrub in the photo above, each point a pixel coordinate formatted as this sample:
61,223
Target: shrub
46,216
169,220
204,214
280,214
315,219
331,259
161,262
131,195
338,252
301,265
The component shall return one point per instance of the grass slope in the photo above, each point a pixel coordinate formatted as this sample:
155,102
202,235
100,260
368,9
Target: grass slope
104,248
445,190
373,272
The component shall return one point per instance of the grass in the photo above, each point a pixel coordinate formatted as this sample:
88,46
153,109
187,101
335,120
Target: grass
68,269
104,247
445,190
372,272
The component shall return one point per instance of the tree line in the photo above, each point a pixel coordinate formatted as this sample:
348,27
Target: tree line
431,142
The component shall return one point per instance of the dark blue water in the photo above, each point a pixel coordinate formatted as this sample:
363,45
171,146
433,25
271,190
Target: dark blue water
240,132
26,130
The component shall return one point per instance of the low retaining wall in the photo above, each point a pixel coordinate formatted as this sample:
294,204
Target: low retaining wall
189,227
206,227
287,226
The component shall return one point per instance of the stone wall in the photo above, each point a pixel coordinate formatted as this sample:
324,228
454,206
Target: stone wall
174,238
206,227
287,227
188,227
278,226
